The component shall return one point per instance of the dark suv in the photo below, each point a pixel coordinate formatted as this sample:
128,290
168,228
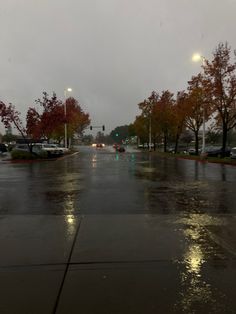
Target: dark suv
217,152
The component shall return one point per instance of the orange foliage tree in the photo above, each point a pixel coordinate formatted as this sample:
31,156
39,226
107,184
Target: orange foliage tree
179,116
141,127
197,105
149,126
221,88
163,115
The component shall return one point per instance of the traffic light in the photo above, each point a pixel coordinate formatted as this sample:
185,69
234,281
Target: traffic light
103,127
117,134
91,127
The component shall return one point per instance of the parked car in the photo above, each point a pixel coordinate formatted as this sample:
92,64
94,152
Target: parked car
21,147
120,149
233,153
64,149
3,148
170,149
217,151
192,151
145,145
51,150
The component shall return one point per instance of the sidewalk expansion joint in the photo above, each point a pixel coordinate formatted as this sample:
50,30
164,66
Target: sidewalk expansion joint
66,269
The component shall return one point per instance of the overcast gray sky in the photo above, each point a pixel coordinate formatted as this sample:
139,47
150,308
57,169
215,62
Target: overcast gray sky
113,53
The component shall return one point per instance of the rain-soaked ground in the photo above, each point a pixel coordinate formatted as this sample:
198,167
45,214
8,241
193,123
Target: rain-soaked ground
104,182
118,233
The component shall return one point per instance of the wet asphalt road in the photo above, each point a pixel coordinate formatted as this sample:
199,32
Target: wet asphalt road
102,232
102,182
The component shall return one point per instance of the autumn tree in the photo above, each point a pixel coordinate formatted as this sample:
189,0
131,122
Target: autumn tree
163,115
221,87
197,105
147,108
50,123
179,116
77,120
131,130
33,124
9,115
141,127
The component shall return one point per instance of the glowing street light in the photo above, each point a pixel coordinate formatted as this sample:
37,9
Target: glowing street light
196,57
68,90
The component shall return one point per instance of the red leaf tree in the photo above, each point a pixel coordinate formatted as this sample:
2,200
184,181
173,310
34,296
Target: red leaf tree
50,123
9,115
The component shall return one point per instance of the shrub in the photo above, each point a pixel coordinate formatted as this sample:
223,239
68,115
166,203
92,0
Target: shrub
18,154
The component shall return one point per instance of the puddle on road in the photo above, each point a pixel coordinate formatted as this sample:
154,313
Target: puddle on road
64,201
181,197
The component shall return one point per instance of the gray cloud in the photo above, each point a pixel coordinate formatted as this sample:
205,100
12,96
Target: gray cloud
113,53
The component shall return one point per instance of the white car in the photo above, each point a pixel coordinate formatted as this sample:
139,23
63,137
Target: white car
38,148
52,149
233,152
64,149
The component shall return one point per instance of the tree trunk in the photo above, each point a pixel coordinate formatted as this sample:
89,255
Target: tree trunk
138,141
176,143
165,142
196,142
224,139
30,146
154,143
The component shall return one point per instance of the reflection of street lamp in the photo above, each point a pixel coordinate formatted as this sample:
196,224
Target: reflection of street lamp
65,94
196,58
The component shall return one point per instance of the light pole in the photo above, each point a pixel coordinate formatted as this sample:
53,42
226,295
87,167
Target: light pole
65,94
199,58
151,102
150,132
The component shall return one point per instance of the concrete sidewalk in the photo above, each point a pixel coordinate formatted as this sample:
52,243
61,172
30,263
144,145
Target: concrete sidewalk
117,264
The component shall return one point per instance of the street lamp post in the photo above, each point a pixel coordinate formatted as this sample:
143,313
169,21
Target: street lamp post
65,94
196,58
150,133
203,133
151,100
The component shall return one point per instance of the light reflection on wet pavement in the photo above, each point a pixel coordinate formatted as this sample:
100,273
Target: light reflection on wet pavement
190,203
198,293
